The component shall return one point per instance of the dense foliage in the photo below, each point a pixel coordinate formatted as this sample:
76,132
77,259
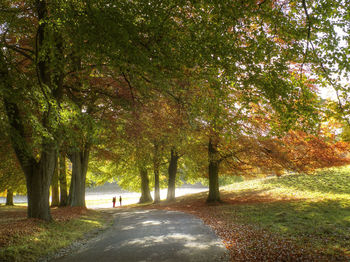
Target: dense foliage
149,87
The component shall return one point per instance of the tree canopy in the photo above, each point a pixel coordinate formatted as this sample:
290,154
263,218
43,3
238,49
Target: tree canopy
144,88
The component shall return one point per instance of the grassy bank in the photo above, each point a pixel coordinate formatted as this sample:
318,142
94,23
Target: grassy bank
295,217
310,209
29,239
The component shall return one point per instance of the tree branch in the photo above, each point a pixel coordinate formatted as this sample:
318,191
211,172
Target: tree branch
308,35
130,86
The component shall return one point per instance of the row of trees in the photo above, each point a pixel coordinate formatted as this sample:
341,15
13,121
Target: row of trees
138,85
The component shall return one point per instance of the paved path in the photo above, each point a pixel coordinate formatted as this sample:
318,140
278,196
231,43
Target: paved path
153,235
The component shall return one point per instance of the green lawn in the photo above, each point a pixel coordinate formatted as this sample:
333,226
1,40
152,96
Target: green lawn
45,238
313,210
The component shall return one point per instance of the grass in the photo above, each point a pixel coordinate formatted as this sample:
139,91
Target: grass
322,225
310,209
33,239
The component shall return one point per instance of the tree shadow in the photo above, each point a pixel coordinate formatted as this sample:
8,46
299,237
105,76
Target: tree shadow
155,235
321,224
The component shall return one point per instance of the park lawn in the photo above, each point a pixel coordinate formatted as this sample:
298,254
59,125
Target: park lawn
23,239
310,209
302,217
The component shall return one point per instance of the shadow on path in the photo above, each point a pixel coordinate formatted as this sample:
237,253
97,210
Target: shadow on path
153,235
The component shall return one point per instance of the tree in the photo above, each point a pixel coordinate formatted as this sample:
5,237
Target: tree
12,178
63,180
34,60
172,170
309,152
326,51
145,192
156,166
55,197
255,70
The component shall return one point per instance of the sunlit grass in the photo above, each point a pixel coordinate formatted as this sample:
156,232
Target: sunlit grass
327,184
15,205
313,210
11,208
50,237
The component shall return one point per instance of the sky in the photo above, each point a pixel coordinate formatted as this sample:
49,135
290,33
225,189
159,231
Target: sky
327,92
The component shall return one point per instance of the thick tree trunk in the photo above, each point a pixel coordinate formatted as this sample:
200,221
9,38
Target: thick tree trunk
38,185
156,163
63,180
38,174
9,197
172,170
55,196
145,192
80,162
214,163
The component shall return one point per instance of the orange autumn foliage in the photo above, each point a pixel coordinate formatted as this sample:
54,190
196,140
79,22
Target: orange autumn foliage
297,151
307,152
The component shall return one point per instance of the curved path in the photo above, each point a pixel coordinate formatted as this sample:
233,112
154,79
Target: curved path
153,235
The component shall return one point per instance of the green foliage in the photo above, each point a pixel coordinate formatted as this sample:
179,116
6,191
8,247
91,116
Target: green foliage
328,23
345,134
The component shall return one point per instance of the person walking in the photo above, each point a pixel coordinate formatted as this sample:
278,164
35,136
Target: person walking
120,200
114,200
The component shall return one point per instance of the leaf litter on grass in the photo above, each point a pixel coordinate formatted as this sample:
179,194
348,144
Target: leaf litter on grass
14,224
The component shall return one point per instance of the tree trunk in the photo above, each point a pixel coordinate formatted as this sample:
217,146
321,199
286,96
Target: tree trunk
172,170
80,162
145,192
214,163
63,180
156,163
156,185
38,185
38,174
9,197
55,196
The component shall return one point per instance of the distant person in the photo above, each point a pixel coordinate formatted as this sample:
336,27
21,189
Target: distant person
114,200
120,200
